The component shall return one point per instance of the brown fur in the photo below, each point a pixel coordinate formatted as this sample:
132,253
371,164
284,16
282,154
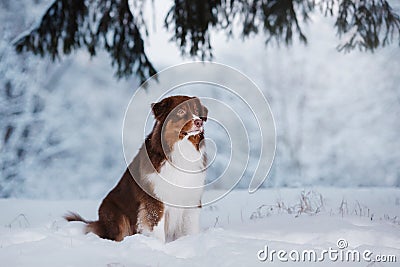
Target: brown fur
127,202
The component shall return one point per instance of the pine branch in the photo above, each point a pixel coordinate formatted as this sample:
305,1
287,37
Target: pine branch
58,32
66,26
191,22
109,24
366,24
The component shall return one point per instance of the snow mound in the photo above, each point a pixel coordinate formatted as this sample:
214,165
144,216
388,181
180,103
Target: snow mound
233,230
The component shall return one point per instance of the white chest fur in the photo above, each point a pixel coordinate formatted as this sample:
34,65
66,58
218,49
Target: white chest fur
179,185
181,178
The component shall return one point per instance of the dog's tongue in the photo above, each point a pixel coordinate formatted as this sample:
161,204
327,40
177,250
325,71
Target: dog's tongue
191,133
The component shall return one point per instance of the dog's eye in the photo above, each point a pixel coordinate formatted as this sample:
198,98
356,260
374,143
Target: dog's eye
181,112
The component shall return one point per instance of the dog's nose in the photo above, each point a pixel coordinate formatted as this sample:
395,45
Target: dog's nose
198,123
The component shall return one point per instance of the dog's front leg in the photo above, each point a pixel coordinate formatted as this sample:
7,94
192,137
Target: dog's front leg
191,221
159,230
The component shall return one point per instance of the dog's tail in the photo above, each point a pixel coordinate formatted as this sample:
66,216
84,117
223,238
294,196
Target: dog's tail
74,217
91,226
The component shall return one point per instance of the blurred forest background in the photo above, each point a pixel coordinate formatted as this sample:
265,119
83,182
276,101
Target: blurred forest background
337,114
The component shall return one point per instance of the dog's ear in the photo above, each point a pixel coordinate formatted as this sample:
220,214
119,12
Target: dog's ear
204,113
162,108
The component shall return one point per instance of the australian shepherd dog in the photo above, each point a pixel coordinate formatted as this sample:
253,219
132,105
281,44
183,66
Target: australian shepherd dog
160,192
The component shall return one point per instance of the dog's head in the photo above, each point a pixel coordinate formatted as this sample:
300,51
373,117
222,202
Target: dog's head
181,117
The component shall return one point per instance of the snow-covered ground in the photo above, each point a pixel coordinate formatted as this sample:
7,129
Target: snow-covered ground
234,230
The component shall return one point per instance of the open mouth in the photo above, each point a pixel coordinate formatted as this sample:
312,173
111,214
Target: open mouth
193,132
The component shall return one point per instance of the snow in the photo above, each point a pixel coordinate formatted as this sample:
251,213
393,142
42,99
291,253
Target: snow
337,119
33,233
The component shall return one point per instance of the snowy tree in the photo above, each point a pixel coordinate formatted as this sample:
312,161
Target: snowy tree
40,110
336,113
118,26
21,103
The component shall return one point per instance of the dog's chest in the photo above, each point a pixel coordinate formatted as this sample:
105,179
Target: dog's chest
181,178
179,184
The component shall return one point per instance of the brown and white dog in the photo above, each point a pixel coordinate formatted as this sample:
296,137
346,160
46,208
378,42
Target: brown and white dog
160,192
